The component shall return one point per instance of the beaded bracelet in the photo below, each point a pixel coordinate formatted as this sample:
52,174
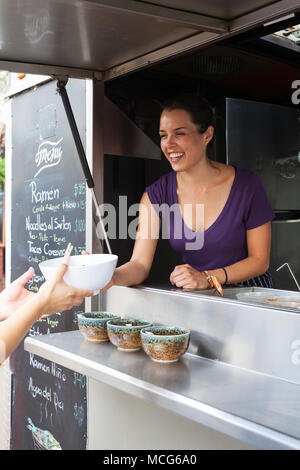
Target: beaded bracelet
214,283
209,279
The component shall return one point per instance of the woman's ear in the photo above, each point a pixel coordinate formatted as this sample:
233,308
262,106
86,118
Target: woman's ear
208,135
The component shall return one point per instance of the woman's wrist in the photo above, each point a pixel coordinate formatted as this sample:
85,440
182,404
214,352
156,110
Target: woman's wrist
220,274
39,303
33,309
200,283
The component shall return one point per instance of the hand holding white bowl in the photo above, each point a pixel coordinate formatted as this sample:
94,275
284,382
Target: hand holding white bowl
91,272
55,295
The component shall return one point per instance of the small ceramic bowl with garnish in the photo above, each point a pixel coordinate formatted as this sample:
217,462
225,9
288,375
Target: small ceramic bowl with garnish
165,343
125,333
93,325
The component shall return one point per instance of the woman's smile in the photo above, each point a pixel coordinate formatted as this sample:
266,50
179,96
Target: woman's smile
176,156
181,141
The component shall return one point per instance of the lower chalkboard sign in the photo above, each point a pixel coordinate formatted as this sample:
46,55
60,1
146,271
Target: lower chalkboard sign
48,211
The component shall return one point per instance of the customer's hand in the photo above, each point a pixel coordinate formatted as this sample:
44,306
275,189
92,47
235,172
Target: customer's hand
15,295
188,278
56,296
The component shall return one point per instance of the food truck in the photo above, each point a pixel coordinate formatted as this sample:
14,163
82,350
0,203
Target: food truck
237,386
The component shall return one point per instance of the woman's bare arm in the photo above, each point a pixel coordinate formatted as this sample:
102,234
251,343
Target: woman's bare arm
137,269
258,260
257,263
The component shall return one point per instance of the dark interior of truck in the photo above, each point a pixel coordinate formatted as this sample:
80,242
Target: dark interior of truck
259,66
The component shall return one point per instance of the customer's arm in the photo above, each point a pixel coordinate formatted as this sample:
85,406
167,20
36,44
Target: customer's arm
15,295
53,296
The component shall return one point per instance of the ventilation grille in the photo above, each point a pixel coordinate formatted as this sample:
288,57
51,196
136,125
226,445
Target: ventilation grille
217,65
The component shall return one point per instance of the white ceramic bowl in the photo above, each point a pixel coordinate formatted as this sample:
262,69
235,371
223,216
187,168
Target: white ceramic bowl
90,272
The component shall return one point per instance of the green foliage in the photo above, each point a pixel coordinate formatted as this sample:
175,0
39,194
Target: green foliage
2,172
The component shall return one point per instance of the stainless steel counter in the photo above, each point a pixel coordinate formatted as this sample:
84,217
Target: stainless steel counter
247,295
256,408
259,337
240,377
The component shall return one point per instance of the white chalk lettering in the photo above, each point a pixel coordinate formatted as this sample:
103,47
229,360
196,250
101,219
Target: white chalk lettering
44,195
48,154
35,391
33,362
57,403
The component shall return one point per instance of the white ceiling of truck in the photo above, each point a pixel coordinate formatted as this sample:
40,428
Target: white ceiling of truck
109,38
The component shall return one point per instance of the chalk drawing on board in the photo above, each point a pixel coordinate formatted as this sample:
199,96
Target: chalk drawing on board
79,414
42,439
48,154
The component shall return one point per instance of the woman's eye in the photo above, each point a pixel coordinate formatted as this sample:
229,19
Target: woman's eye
162,136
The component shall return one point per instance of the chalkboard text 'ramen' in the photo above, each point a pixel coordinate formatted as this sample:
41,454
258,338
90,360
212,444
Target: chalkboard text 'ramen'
42,196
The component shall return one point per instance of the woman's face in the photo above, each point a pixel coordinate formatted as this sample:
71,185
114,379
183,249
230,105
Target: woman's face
181,141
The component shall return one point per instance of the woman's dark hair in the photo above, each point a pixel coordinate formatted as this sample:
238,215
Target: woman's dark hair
200,111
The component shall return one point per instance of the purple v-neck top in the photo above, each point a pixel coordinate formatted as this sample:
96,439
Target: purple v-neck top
224,242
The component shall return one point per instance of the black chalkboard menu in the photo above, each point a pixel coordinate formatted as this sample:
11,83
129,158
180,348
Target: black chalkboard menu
48,211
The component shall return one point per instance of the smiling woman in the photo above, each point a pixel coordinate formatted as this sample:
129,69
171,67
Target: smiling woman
229,237
192,118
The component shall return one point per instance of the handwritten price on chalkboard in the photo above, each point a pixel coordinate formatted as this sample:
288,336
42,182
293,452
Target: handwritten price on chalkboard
79,225
78,250
79,379
79,189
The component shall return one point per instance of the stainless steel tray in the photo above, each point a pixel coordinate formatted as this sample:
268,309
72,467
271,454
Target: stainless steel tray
271,297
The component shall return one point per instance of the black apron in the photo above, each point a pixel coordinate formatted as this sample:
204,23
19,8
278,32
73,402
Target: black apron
265,280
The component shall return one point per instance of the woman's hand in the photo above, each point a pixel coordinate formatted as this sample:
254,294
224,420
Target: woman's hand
15,295
188,278
56,296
